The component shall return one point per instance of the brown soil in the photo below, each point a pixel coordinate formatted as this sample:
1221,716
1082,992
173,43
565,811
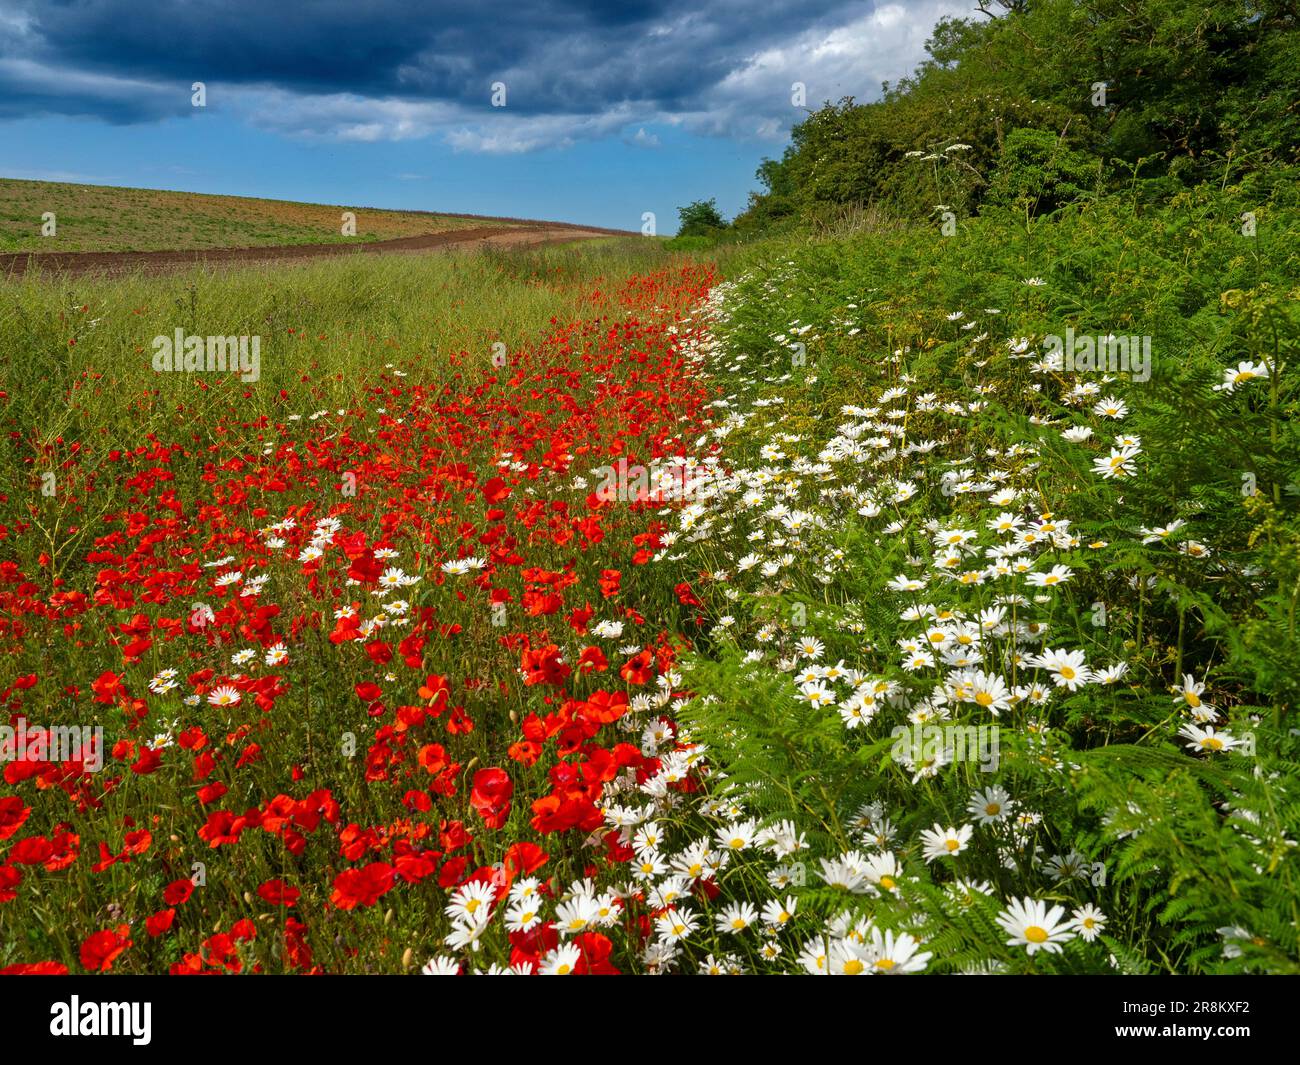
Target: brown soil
74,263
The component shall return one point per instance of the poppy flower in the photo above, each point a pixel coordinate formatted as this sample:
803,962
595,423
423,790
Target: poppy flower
490,796
100,950
107,686
13,814
278,893
524,858
34,850
38,968
10,877
178,892
361,887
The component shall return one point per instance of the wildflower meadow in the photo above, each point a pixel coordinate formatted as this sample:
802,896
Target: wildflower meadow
861,587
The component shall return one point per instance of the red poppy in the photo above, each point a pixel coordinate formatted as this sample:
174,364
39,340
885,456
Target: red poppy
33,850
596,950
178,892
107,686
100,950
10,877
278,893
13,814
524,858
38,968
361,887
490,796
495,490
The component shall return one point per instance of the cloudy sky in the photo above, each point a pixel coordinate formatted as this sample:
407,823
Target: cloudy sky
609,110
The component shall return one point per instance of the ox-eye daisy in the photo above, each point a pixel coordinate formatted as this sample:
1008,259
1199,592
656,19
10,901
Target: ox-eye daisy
737,917
1207,739
940,842
895,955
1031,925
989,806
1088,921
560,962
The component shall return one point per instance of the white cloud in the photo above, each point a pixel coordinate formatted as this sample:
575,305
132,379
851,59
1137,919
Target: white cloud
745,97
642,139
848,60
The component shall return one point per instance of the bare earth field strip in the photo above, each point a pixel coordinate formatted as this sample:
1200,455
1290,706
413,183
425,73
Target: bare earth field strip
15,264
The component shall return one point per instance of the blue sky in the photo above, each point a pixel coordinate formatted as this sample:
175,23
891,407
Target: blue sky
609,111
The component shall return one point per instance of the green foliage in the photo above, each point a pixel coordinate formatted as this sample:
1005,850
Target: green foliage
699,219
1039,174
1198,851
690,243
1188,90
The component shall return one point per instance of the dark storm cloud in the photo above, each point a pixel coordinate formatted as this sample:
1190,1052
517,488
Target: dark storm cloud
431,64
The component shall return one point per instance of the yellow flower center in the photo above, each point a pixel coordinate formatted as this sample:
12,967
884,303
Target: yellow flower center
885,964
853,967
952,844
984,699
887,882
1035,934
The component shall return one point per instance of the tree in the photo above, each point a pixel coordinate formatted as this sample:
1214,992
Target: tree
699,219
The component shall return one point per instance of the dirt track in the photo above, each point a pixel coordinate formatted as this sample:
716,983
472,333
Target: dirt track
74,263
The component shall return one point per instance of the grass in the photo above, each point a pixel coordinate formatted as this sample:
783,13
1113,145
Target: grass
106,218
86,342
897,347
85,377
412,336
